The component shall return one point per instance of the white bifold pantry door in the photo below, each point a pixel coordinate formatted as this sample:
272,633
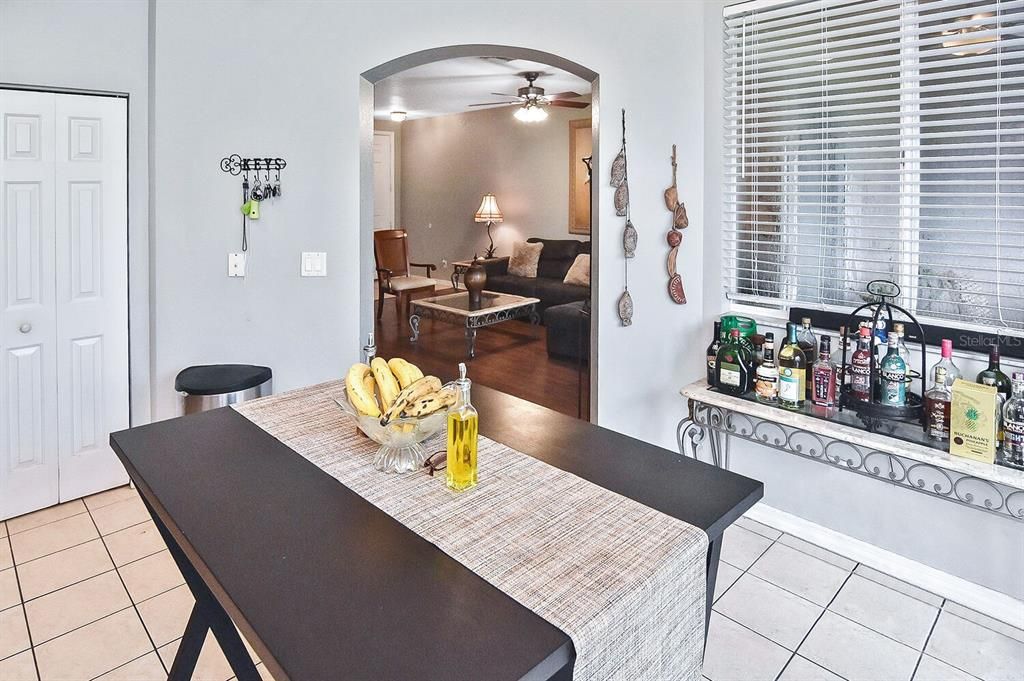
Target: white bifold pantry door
63,296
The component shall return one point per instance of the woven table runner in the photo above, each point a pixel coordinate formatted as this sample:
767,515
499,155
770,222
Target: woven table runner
624,581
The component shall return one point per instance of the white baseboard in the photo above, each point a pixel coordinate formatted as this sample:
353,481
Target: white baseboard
988,601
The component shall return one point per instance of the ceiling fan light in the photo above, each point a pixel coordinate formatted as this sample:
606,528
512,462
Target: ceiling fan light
399,116
530,112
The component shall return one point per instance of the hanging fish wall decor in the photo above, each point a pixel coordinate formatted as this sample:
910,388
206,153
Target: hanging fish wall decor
675,237
620,180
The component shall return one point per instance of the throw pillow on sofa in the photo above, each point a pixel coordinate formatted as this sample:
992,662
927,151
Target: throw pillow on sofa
525,257
579,273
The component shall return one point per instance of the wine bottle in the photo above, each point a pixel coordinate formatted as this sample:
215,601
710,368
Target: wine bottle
792,371
892,376
1000,401
860,366
766,382
823,376
712,351
732,367
1002,381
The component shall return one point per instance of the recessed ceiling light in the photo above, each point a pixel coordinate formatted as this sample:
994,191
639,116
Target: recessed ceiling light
399,116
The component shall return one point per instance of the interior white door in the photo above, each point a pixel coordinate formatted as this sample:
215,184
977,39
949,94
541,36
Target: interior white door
63,296
92,289
383,180
28,368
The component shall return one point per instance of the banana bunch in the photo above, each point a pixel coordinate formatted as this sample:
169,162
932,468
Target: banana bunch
395,389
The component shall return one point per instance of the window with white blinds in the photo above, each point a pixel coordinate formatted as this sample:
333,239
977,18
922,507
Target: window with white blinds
879,139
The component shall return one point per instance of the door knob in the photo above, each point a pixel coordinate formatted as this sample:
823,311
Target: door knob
25,328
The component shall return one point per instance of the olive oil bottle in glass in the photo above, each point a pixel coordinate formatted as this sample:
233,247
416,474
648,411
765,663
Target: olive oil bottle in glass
463,424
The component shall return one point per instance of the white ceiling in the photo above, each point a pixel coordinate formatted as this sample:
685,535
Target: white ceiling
450,86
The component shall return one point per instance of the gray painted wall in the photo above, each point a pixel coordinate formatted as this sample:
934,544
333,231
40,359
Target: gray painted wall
102,47
450,162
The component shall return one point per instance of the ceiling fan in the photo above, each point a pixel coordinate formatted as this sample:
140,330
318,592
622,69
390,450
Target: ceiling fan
532,100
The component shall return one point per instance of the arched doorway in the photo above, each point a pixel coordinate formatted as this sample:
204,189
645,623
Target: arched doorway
373,76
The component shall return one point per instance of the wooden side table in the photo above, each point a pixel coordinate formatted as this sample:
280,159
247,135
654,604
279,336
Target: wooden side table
459,268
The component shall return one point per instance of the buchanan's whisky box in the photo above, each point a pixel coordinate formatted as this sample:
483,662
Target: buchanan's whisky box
972,430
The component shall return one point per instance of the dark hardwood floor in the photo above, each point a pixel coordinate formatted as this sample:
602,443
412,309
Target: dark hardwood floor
510,357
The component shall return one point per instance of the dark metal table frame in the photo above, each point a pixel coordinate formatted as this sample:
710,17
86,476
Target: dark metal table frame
472,322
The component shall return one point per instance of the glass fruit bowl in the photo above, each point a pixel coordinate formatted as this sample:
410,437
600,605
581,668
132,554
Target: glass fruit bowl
400,440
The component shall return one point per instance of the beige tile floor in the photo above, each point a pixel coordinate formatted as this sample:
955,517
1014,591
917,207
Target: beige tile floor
89,591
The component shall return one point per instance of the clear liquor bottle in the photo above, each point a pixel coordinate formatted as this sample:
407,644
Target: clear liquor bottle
792,371
937,402
766,381
990,381
823,376
1013,424
892,376
901,334
809,344
860,366
952,371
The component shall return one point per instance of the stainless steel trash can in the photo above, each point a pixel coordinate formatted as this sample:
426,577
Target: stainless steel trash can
218,385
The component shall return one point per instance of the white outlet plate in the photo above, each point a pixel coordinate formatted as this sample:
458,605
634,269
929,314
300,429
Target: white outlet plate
236,264
313,264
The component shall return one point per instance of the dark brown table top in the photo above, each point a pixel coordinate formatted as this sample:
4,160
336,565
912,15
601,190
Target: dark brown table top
326,586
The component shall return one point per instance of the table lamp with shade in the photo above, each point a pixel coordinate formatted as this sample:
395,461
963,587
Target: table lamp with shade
489,213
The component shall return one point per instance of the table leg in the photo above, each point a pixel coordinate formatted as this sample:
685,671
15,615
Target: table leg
534,317
207,615
714,554
471,342
414,323
455,278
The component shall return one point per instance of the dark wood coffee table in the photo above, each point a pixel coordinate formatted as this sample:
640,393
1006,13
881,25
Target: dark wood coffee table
455,308
326,586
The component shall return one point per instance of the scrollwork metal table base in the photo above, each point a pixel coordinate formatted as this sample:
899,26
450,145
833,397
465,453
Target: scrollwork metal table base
717,425
472,322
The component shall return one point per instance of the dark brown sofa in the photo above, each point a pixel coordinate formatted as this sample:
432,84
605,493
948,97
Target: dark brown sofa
556,258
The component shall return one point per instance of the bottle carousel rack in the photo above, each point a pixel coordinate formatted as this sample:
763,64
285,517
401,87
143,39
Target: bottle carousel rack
872,410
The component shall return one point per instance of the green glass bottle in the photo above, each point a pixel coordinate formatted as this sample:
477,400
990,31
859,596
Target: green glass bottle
732,368
1002,381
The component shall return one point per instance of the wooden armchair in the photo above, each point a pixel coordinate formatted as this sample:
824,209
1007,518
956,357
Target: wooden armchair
391,253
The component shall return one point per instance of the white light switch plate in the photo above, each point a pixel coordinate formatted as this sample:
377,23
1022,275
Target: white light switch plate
236,264
314,264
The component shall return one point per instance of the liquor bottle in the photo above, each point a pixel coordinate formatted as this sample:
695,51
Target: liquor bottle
712,351
860,366
1002,381
892,376
1013,424
757,341
809,344
766,382
937,402
732,366
463,427
900,332
1000,401
879,341
792,371
952,371
823,376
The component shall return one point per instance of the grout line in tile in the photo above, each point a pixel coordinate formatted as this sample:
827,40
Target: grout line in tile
124,586
21,597
120,529
48,522
126,663
756,633
861,624
919,600
987,628
67,586
816,621
80,626
928,637
58,550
